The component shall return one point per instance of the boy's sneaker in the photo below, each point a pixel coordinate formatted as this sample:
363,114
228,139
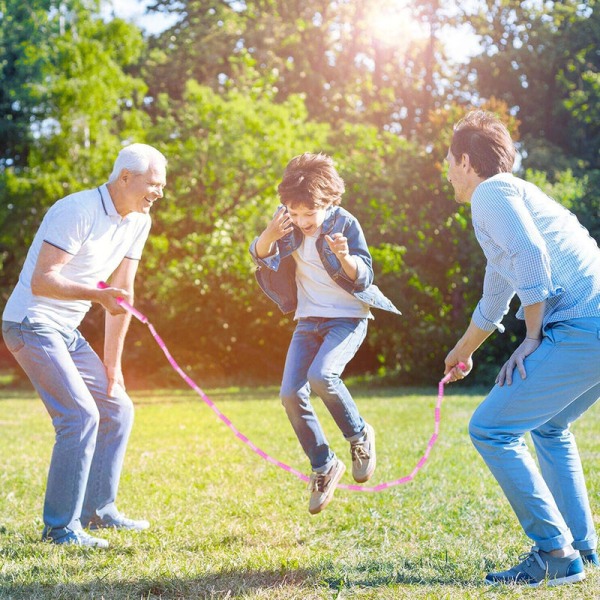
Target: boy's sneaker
322,486
119,522
539,567
78,538
363,456
590,557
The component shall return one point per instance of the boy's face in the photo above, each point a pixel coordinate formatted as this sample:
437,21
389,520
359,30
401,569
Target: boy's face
307,219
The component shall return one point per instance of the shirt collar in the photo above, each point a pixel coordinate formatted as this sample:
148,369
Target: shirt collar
107,202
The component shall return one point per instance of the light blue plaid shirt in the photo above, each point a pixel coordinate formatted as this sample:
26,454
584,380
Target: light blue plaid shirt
535,248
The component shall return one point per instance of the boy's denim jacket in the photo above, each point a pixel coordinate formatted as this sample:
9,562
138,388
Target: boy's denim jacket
276,273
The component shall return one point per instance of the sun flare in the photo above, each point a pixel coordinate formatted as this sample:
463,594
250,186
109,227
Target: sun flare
393,23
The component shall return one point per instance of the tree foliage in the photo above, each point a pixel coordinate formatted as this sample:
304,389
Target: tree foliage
364,62
542,60
68,105
231,92
227,153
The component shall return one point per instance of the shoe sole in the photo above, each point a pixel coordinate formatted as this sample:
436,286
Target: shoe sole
369,473
116,527
329,498
549,582
100,544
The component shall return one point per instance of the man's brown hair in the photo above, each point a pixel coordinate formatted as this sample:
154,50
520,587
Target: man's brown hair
311,180
486,140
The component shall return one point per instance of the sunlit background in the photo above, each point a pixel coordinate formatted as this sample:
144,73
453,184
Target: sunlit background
230,92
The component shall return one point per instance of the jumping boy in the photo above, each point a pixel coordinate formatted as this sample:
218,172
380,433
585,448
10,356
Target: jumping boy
313,258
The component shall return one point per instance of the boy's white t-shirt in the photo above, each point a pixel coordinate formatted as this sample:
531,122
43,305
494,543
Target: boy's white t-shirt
87,225
318,294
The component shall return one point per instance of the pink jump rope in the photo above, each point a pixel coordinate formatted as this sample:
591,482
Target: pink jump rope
355,488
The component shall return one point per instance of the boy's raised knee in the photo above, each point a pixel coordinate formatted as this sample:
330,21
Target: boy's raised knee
322,381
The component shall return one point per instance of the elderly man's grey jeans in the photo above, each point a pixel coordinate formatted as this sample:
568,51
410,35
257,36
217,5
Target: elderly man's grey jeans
92,428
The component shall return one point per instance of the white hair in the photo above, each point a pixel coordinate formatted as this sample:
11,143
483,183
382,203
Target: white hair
136,158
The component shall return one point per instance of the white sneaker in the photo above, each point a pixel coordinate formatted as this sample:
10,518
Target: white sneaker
119,522
78,538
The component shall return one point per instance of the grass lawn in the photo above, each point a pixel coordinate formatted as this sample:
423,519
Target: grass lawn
226,523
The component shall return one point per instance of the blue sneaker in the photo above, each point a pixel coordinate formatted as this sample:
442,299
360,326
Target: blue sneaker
539,567
77,538
590,557
119,522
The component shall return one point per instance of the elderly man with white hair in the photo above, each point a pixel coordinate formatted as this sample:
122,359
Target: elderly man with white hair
86,237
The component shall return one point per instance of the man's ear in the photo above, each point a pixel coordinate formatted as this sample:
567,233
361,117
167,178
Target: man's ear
125,175
465,162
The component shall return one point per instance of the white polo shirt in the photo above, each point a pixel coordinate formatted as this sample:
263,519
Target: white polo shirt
87,225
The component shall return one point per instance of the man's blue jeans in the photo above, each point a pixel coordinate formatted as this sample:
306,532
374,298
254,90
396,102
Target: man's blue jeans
92,428
563,381
319,351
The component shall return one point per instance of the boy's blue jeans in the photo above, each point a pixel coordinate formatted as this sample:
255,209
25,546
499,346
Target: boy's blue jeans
563,381
319,351
92,428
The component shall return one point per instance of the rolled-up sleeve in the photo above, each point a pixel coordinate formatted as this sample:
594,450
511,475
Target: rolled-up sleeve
270,262
529,258
364,277
357,245
494,303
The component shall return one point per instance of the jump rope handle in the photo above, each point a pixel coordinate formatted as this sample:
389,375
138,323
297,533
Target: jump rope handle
102,285
446,379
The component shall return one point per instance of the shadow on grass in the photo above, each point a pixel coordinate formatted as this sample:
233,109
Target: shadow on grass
218,585
423,572
298,583
289,581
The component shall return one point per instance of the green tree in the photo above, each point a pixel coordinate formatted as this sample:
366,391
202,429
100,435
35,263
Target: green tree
226,155
231,93
544,64
69,104
365,62
197,47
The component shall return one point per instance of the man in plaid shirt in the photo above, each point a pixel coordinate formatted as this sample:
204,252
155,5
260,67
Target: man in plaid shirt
536,249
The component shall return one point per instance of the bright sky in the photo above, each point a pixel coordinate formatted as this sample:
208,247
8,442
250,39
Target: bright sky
393,22
135,11
460,43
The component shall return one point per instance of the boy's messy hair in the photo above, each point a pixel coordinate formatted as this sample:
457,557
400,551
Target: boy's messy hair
311,180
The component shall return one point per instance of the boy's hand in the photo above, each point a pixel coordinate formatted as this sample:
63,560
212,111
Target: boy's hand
280,226
338,244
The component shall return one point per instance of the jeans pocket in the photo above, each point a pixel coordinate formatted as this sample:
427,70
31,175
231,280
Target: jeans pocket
13,337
